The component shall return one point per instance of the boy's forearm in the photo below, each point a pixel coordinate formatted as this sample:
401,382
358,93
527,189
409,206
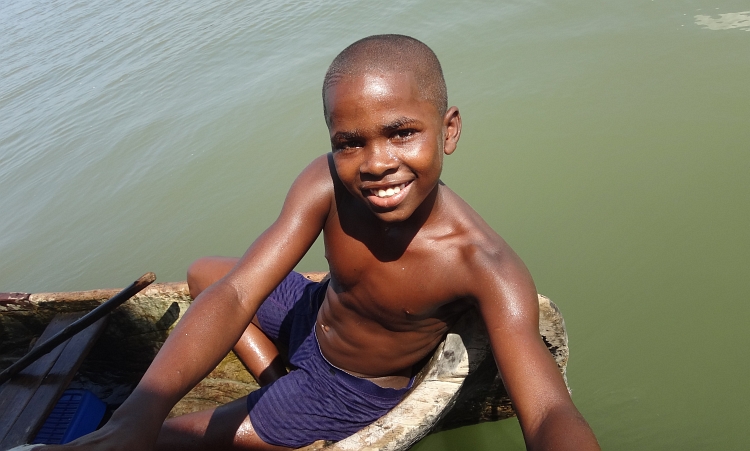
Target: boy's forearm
563,429
199,341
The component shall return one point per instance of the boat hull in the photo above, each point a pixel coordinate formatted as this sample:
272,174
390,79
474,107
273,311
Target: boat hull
460,385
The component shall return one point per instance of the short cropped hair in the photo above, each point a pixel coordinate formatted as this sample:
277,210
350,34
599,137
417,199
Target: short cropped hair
391,53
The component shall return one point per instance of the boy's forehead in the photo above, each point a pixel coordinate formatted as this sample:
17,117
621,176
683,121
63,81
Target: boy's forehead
372,85
379,85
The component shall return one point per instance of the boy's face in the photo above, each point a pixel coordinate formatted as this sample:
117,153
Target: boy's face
388,142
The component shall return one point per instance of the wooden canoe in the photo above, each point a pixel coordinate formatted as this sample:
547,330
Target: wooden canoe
459,385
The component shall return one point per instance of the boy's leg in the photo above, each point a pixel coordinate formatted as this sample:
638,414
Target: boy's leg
254,349
203,272
226,427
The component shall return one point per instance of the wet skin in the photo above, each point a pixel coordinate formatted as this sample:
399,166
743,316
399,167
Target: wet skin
383,137
403,266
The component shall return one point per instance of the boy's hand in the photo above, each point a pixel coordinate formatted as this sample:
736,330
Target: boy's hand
133,426
111,437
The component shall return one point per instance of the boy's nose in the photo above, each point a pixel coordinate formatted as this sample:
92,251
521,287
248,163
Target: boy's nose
379,161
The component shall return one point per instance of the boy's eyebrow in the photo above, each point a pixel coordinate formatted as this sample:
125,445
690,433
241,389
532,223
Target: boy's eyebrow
389,127
398,123
346,136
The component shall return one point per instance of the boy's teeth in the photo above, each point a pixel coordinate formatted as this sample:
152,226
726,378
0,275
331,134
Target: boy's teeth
390,191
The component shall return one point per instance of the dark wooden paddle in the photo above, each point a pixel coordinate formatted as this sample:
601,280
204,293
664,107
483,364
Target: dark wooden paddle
77,326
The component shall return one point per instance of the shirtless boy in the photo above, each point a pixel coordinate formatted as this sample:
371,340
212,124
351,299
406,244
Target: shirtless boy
406,256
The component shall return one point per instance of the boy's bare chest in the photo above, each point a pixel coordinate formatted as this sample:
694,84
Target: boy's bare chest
408,281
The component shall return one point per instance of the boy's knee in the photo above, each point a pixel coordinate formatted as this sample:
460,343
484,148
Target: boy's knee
205,271
193,277
195,268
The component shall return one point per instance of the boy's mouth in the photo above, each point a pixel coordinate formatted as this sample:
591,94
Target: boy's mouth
388,192
387,196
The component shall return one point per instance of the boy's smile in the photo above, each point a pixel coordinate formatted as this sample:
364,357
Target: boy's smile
388,141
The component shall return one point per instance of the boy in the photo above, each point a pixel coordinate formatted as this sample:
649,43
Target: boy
406,255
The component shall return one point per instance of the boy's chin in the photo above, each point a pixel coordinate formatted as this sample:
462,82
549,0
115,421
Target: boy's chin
393,216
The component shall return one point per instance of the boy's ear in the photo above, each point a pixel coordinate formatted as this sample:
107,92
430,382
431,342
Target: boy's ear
451,130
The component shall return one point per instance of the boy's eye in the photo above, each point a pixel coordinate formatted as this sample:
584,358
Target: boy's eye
404,133
348,145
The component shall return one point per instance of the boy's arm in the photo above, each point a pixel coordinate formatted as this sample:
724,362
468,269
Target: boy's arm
507,300
216,319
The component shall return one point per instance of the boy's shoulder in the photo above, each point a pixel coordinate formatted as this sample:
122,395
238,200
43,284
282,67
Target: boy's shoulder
477,249
468,229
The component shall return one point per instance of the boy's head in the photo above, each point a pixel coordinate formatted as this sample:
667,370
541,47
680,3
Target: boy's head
390,53
386,110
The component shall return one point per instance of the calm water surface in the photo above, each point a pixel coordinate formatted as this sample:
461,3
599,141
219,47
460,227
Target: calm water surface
609,143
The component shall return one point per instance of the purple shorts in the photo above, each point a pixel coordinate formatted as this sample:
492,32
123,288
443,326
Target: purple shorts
316,400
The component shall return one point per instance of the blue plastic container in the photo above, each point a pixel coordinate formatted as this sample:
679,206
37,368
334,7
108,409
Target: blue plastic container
77,413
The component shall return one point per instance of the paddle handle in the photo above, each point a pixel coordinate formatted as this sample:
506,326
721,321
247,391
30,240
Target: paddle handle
90,318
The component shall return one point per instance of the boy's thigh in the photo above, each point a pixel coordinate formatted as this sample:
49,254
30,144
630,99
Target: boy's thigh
289,310
317,401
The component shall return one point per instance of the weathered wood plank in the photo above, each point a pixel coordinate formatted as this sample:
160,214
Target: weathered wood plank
16,393
53,384
13,298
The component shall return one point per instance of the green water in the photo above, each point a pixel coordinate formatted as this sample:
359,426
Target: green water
609,143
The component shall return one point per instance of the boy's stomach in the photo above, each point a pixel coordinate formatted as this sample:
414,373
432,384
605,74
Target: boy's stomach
386,353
